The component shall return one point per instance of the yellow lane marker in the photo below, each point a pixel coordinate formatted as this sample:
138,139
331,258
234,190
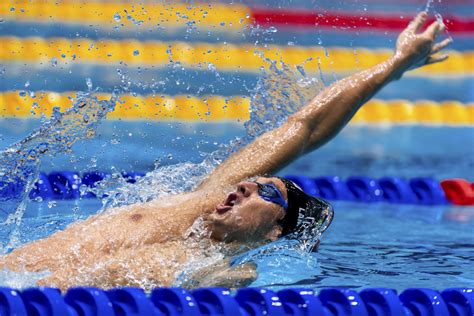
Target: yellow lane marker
215,16
224,56
218,108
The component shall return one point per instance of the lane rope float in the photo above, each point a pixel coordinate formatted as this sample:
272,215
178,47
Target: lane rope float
66,185
246,301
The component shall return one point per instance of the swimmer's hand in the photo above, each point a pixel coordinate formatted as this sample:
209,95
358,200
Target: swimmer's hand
416,49
223,275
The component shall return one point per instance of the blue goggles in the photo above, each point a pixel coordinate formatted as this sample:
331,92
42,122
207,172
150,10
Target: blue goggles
269,192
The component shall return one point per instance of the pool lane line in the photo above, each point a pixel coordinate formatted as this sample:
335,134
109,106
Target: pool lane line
222,301
66,185
230,17
218,108
349,22
122,14
221,56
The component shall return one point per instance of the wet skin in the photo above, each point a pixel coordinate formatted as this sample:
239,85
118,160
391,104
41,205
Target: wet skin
94,252
149,244
245,217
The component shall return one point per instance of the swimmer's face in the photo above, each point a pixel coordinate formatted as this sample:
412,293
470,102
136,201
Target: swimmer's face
245,216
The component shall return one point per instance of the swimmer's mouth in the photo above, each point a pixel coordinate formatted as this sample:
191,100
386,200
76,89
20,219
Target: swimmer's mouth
227,205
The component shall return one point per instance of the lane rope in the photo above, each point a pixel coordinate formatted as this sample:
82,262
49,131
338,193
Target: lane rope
246,301
67,185
223,56
22,104
121,14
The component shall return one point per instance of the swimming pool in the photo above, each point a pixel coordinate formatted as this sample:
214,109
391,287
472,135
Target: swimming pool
368,245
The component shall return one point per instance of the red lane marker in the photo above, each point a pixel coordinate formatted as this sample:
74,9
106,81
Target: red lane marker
458,191
301,18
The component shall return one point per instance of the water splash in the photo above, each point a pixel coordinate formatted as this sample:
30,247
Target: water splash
19,163
21,280
281,91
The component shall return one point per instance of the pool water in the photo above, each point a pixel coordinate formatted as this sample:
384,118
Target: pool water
368,245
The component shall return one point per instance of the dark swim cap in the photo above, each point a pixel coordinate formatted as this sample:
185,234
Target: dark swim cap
306,214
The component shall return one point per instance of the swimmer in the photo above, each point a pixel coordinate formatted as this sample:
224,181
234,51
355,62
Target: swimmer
236,206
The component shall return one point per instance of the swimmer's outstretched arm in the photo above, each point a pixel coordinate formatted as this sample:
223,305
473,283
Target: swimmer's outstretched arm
321,119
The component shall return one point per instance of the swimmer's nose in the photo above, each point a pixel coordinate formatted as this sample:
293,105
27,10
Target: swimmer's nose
246,188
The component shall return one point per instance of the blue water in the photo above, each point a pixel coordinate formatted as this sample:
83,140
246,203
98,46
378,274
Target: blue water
368,245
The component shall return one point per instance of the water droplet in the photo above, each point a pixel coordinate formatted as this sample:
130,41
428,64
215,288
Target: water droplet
222,23
43,147
272,29
211,67
27,84
22,94
89,83
136,52
439,18
326,52
301,70
54,61
63,55
32,154
117,17
12,9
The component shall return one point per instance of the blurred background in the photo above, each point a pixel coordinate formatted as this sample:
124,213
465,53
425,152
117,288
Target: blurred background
201,62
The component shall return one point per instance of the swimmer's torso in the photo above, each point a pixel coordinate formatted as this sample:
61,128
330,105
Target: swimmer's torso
141,245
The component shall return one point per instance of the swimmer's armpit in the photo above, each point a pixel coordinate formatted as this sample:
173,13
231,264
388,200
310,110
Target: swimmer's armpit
223,275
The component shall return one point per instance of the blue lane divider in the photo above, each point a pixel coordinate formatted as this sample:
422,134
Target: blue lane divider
425,191
87,301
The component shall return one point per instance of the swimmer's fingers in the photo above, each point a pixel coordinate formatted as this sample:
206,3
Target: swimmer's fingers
417,23
434,29
436,59
439,46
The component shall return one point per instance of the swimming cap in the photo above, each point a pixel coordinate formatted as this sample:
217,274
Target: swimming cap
306,214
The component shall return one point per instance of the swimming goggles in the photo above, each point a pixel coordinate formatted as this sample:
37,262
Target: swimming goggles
269,192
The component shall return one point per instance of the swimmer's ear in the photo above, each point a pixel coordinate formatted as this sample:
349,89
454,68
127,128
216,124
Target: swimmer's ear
274,233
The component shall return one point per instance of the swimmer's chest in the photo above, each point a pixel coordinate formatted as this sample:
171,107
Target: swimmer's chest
161,220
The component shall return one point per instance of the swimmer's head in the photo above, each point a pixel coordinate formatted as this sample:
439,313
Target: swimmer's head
269,208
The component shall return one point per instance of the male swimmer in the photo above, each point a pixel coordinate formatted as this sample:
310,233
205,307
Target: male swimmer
150,244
